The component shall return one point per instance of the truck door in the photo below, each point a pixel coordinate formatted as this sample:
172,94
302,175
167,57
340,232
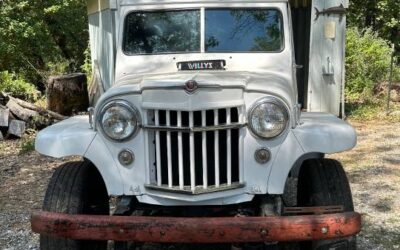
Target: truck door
326,56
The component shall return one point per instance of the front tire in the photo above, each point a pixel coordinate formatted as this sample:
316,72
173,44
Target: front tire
323,182
75,188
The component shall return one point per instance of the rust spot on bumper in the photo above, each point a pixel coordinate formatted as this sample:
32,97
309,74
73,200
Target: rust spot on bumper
196,230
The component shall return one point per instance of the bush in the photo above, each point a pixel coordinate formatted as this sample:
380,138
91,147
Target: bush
367,64
87,66
17,86
27,145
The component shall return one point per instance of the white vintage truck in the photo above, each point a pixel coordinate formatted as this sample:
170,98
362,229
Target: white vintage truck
197,134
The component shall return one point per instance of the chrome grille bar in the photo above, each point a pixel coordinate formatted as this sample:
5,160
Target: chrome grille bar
196,151
180,159
228,149
216,149
192,158
158,151
169,154
204,149
194,129
241,139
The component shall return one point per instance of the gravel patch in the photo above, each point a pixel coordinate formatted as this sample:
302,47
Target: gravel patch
373,169
16,233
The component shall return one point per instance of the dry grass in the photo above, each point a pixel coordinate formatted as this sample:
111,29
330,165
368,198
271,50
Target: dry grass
373,169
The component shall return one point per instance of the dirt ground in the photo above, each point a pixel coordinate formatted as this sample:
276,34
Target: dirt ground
373,168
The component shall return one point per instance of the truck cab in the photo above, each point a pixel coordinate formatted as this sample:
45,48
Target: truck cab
197,132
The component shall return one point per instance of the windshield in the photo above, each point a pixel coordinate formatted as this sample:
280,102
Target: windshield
162,32
226,30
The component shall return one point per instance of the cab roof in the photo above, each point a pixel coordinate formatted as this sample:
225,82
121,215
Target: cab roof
99,5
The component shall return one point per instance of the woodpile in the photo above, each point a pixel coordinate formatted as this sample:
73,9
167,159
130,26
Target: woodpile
17,115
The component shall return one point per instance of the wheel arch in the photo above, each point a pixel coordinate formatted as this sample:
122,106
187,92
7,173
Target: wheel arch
316,135
74,137
294,172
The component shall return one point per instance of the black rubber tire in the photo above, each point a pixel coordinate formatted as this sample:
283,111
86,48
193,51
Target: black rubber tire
75,188
323,182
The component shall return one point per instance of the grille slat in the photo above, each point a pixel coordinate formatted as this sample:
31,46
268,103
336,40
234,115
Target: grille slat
169,150
197,151
204,149
158,151
192,156
228,149
240,145
181,176
216,149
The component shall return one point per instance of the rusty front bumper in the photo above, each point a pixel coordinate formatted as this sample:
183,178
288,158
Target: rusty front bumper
197,230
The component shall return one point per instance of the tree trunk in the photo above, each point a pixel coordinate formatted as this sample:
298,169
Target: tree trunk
67,94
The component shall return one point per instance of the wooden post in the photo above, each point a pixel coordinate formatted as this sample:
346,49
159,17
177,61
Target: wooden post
390,81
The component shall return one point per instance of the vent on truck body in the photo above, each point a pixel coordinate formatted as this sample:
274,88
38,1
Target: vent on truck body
195,151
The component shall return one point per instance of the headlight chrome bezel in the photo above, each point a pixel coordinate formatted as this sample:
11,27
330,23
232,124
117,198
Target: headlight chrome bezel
126,105
272,100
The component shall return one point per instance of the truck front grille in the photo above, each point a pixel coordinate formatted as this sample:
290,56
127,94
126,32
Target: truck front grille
195,151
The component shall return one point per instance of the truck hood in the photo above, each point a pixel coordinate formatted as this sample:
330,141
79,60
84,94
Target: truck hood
271,83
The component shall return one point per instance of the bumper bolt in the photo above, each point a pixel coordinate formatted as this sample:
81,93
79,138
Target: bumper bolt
264,232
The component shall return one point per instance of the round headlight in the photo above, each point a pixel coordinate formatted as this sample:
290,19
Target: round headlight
268,118
119,120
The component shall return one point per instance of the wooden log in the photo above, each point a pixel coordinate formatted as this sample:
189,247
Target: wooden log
21,112
67,94
17,128
34,116
4,116
27,105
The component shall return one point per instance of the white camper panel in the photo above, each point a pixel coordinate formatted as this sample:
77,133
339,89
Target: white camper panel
103,25
326,60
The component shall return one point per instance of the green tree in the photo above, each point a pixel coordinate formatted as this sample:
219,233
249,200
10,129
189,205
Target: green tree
37,36
383,16
367,64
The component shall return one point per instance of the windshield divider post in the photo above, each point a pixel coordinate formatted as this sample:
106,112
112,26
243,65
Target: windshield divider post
202,30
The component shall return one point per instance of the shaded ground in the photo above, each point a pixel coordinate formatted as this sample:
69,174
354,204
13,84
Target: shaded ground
373,169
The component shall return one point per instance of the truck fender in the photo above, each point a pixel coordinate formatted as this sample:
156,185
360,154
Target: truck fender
324,133
317,134
74,137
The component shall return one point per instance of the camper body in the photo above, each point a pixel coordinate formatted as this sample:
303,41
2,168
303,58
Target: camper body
197,119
